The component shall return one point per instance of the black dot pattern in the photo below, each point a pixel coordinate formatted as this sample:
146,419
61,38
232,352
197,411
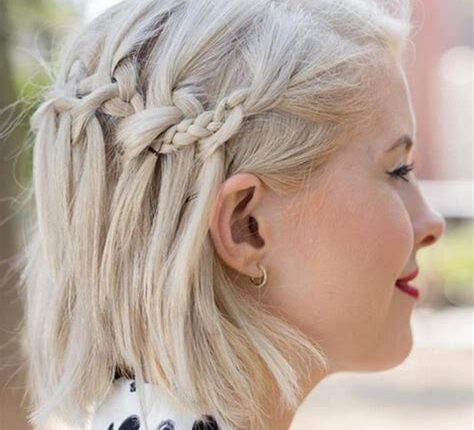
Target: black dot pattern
132,422
210,425
166,425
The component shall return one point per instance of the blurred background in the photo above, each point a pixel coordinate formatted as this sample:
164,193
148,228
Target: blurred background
433,388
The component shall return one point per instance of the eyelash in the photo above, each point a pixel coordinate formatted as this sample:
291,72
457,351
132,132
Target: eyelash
402,171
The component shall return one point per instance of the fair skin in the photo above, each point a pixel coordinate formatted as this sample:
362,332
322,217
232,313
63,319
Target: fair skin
333,251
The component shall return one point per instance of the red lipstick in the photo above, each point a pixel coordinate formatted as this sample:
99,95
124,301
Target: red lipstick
403,285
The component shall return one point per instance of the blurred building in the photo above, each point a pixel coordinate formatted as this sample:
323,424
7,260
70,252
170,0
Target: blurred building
440,72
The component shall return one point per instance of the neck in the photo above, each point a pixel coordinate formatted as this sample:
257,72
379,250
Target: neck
280,418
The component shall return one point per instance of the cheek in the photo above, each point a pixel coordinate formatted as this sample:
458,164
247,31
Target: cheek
386,225
339,263
359,243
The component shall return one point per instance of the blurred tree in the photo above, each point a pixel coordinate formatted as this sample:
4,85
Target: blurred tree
32,26
36,23
11,415
36,27
7,96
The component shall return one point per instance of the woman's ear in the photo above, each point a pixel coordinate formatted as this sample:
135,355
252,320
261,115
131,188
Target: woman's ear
237,227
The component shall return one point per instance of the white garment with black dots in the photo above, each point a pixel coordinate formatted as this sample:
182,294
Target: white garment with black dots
120,411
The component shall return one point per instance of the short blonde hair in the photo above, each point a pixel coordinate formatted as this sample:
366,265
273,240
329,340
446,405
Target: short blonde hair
121,272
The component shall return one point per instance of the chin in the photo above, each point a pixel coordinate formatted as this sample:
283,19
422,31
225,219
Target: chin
386,356
392,357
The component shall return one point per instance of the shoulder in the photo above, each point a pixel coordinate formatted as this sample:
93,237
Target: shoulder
121,411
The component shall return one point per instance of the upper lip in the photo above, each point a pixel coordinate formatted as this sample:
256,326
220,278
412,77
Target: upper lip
411,276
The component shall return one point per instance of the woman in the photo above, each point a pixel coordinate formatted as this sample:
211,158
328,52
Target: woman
225,211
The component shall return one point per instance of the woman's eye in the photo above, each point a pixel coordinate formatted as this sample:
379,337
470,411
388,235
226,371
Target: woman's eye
402,171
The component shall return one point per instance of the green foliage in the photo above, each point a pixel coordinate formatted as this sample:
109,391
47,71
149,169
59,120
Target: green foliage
40,14
451,261
32,28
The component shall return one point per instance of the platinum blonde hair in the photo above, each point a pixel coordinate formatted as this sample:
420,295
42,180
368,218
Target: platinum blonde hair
120,272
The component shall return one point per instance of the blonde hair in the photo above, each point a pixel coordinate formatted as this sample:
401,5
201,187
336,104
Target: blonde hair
120,272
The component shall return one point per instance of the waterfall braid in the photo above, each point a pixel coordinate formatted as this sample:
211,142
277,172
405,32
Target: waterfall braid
154,102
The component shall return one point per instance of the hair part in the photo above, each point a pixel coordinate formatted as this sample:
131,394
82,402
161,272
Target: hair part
120,273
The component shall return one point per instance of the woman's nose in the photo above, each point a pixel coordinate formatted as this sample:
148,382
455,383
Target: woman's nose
429,227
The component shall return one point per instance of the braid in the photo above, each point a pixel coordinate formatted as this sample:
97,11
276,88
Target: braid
210,128
164,129
119,99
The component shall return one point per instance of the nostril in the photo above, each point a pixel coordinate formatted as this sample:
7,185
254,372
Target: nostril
429,240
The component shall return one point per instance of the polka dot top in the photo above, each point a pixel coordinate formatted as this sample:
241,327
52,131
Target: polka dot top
120,411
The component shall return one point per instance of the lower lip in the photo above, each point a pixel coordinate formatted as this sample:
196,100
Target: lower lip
412,291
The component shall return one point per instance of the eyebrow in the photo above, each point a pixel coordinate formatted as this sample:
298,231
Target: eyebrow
404,139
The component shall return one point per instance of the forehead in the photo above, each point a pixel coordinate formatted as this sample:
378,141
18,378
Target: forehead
391,118
394,109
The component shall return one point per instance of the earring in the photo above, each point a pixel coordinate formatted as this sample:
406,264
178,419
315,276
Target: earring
263,279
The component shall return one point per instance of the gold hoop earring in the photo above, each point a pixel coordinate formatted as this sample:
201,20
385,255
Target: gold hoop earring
263,279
